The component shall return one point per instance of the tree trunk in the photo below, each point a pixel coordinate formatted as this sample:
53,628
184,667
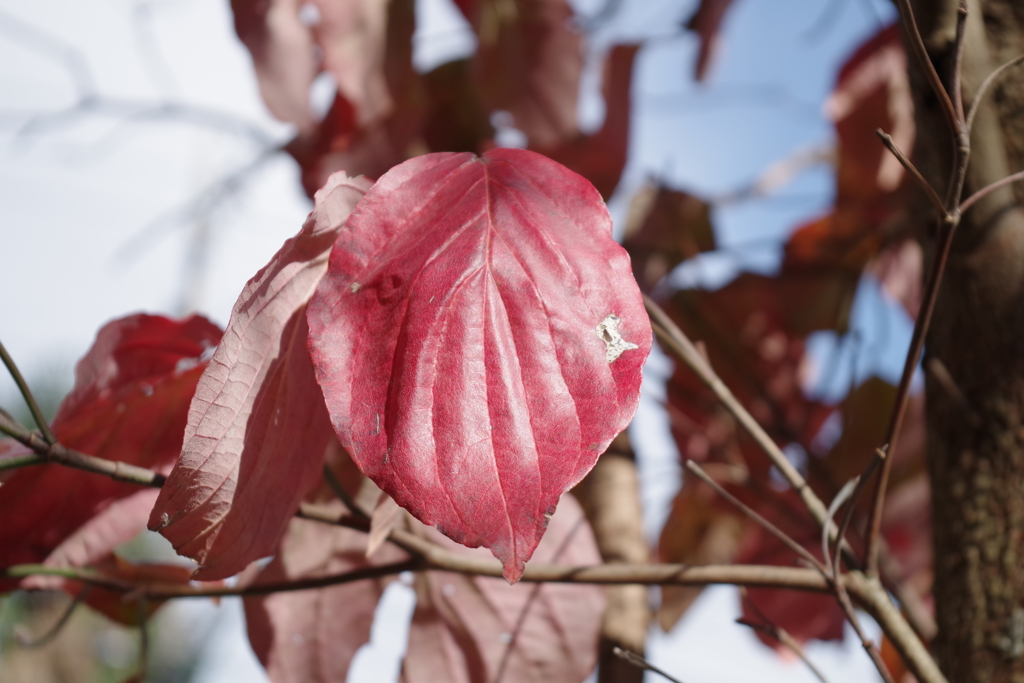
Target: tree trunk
610,495
975,350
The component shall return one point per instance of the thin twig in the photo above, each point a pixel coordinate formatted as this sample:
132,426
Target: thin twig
143,637
983,88
924,318
768,627
761,521
925,62
958,60
26,393
837,502
58,454
947,228
866,643
929,191
755,576
335,484
641,663
988,189
26,641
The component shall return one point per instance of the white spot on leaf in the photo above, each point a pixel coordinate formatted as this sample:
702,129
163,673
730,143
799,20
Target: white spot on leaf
354,287
614,344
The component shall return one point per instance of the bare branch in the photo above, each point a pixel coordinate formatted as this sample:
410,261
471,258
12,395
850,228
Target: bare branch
55,453
866,643
27,641
641,663
769,628
983,192
929,191
983,88
674,338
761,521
958,60
921,53
26,393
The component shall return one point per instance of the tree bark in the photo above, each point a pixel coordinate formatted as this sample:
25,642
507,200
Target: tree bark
610,495
976,422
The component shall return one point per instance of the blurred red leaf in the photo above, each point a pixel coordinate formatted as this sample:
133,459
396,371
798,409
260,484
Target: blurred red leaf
530,59
900,270
696,532
352,35
283,54
129,403
258,427
804,615
292,41
601,156
665,227
311,636
707,24
113,604
754,331
476,630
458,339
354,139
872,92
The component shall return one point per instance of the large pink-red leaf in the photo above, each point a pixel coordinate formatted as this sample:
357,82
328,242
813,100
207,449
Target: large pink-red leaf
467,339
311,636
257,428
477,630
129,403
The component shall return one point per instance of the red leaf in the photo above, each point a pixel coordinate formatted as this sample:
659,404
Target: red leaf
258,427
95,540
707,23
601,157
311,636
530,59
804,615
114,604
456,339
473,630
283,54
362,134
129,403
346,38
665,227
352,35
872,92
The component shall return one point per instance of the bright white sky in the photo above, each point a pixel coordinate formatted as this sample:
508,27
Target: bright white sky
95,216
